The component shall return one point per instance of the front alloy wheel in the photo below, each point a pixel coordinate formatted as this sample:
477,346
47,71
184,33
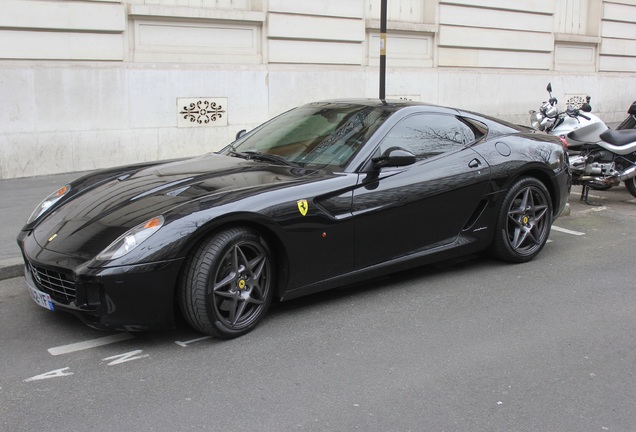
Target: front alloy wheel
226,287
524,221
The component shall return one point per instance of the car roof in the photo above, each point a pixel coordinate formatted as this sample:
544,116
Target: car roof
394,103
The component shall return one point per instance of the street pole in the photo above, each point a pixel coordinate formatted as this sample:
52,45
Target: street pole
383,49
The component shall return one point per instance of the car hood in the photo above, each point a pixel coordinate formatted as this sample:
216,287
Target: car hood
97,212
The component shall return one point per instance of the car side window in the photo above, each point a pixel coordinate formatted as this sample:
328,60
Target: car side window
429,135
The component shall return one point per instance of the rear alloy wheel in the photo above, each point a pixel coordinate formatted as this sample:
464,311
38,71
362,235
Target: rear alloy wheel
630,184
524,221
227,284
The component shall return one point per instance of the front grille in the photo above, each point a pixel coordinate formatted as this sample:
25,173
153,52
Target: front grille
60,286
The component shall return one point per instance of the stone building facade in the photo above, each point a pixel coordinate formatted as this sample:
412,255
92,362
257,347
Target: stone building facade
87,84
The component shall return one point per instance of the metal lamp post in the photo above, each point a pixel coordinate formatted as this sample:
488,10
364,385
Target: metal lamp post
382,49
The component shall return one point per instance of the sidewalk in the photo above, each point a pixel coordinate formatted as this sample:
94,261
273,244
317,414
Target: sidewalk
19,197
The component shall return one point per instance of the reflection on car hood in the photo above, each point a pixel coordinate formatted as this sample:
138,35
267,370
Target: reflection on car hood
95,215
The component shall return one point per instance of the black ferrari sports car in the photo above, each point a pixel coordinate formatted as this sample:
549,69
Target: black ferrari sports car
325,195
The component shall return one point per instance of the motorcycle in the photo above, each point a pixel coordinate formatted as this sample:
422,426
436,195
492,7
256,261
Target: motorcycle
599,157
576,127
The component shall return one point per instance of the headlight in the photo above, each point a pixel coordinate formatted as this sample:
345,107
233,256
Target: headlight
131,239
48,202
535,120
551,111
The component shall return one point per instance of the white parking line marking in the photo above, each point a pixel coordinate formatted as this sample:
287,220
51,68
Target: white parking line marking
79,346
126,357
53,374
567,231
186,343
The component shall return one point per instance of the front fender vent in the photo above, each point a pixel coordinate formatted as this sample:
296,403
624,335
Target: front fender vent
475,215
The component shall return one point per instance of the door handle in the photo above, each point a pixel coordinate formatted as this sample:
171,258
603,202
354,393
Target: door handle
475,163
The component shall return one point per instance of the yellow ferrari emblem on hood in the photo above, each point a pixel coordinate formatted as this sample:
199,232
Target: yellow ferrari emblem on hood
303,207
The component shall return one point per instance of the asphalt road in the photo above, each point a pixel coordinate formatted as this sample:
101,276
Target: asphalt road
472,345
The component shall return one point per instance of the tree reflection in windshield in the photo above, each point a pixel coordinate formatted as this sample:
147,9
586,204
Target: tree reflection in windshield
316,134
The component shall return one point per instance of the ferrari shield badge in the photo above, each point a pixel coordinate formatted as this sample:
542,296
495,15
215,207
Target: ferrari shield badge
303,207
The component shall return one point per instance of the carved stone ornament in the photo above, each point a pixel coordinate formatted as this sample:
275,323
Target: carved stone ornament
202,112
575,101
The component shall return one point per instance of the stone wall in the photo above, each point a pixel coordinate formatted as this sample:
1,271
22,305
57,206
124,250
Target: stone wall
96,83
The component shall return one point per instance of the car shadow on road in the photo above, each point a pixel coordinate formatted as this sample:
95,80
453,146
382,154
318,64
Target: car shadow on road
374,291
383,285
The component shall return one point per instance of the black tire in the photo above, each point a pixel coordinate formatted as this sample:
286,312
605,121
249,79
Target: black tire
630,184
227,283
524,221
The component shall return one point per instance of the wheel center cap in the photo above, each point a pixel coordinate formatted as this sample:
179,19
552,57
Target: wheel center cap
525,220
241,284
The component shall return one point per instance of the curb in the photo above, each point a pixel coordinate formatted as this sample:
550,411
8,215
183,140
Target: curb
11,268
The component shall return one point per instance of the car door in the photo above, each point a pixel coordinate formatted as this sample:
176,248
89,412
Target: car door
409,209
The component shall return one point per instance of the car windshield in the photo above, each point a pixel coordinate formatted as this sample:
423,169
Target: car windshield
319,134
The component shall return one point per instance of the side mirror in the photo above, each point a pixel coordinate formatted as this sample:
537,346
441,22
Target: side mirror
395,157
240,133
549,88
586,107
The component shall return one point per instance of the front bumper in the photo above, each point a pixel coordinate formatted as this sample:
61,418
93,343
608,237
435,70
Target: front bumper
132,298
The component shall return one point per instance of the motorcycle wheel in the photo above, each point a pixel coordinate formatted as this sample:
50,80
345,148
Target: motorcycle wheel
631,186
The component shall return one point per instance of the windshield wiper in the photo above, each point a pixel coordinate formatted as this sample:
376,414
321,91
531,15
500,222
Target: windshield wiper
256,155
233,152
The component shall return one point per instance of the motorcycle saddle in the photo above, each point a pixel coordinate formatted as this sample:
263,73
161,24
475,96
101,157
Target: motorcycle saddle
619,137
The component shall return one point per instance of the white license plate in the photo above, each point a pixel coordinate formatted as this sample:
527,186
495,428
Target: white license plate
41,298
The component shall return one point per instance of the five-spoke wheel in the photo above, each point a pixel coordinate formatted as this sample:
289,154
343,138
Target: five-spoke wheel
227,284
524,221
